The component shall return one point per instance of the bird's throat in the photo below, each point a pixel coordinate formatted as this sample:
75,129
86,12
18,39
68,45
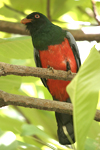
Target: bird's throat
47,36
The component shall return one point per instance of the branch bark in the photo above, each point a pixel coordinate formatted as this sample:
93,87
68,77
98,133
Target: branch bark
25,101
17,28
96,16
12,27
8,69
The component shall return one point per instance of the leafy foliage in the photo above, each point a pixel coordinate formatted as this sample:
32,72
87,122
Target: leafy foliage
85,96
24,128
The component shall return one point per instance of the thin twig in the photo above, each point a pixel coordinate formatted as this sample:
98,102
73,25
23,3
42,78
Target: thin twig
35,137
15,10
85,12
25,101
21,112
96,16
48,10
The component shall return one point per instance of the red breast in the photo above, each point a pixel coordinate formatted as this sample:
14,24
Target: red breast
57,56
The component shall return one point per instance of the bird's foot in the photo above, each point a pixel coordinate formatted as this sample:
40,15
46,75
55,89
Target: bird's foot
69,72
50,68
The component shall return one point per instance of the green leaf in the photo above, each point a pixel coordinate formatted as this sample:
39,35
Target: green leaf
17,48
7,123
29,129
33,5
94,130
6,142
8,14
62,7
90,144
9,83
42,118
84,93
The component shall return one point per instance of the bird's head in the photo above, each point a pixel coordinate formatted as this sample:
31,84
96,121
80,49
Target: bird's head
43,32
35,21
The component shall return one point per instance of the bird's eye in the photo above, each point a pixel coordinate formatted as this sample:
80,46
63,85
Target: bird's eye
37,16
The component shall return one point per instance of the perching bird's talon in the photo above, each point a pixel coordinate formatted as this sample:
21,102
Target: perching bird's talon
50,68
69,72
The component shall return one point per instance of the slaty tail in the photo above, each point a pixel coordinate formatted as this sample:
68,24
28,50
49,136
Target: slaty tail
65,128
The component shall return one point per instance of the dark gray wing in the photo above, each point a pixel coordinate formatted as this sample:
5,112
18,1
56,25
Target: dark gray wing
74,47
38,64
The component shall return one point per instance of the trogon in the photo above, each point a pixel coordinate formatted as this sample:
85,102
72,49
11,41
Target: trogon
56,48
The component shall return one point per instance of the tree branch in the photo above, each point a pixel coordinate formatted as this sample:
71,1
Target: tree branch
96,16
8,69
80,35
12,27
17,28
25,101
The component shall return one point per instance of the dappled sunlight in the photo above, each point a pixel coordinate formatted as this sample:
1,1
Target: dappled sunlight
97,46
1,5
32,89
8,19
29,89
28,11
91,30
11,113
41,94
24,147
39,83
5,140
98,105
72,23
84,49
40,127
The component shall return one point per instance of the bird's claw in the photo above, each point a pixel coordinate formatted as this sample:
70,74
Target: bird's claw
50,68
69,72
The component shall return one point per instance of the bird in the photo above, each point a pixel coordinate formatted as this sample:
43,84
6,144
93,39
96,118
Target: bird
57,49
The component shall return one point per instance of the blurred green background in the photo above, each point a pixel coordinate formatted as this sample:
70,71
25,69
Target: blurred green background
24,128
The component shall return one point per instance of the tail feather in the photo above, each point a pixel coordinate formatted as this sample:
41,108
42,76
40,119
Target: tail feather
65,128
